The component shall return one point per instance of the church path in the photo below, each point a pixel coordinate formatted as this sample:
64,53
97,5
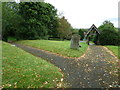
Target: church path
96,69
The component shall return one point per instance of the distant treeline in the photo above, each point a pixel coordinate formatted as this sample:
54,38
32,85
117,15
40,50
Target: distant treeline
39,20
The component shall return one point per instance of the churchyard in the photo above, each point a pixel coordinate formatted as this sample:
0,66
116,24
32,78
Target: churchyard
43,50
25,70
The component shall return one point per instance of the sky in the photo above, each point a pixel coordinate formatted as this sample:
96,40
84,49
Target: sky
84,13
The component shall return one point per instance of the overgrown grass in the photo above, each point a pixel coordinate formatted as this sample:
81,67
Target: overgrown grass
23,70
114,49
59,47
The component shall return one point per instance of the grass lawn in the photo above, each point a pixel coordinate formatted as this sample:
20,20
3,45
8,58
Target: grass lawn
59,47
114,49
23,70
0,63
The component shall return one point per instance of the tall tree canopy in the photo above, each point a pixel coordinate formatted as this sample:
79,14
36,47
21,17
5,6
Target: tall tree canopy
32,0
81,33
64,28
108,35
107,25
0,20
40,19
10,19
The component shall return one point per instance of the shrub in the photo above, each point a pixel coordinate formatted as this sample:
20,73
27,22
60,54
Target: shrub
95,39
11,39
81,33
109,37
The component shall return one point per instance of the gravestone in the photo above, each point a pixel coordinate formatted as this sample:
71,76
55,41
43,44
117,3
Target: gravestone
75,41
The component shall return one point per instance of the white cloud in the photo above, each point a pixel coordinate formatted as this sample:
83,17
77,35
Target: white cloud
83,13
17,1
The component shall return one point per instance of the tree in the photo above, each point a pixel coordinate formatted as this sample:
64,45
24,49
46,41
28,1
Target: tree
10,19
40,20
75,31
31,0
108,35
64,28
0,20
107,25
81,33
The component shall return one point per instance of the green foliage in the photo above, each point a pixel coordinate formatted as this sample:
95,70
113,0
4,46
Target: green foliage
29,20
107,25
0,20
56,39
81,33
23,70
64,28
12,39
59,47
109,37
119,37
95,39
75,31
10,20
40,20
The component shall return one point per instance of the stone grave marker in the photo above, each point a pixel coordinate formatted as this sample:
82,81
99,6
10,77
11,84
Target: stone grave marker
75,39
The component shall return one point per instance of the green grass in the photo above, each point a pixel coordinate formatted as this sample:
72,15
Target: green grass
23,70
114,49
59,47
0,63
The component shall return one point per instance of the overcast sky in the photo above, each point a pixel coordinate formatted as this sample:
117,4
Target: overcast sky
84,13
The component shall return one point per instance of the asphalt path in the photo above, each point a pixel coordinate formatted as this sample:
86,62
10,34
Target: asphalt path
96,69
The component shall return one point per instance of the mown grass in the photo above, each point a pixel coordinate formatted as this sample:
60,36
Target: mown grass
23,70
0,63
114,49
59,47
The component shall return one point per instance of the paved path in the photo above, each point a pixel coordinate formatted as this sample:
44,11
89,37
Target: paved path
94,70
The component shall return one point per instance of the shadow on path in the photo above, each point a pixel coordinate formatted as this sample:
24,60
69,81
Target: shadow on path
96,69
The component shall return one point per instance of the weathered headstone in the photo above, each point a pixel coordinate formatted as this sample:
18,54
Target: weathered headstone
75,41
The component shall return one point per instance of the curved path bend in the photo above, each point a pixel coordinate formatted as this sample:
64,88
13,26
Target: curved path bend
96,69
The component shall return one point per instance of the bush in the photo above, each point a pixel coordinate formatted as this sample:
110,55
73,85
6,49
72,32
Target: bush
119,37
96,39
54,38
11,39
81,33
109,37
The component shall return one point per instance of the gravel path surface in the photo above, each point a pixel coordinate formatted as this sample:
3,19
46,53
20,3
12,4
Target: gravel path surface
97,69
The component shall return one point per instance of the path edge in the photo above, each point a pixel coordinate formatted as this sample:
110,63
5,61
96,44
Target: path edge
66,57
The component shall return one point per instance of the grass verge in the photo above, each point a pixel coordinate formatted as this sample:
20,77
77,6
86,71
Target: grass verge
0,63
114,49
23,70
59,47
